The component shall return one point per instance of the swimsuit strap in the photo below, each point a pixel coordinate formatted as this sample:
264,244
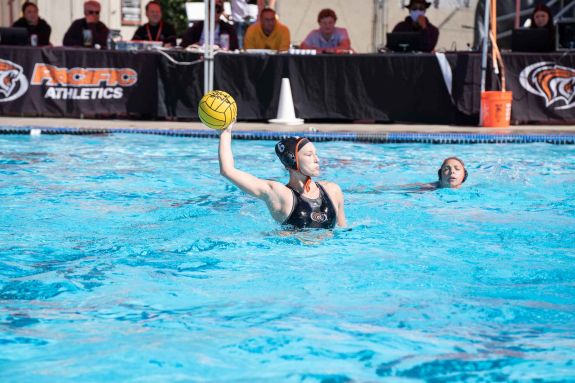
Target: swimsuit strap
323,193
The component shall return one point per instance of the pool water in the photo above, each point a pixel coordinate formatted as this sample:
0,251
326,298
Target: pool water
128,258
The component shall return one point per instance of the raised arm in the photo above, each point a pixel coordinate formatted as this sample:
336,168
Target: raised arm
248,183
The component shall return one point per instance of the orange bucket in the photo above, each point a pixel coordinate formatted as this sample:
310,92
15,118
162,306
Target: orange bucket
496,109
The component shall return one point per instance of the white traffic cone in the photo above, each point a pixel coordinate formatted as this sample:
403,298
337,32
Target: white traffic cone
286,111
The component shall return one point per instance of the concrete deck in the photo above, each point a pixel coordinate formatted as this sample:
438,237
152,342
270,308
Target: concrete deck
248,126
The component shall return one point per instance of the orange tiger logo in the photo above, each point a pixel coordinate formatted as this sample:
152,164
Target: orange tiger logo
13,83
555,83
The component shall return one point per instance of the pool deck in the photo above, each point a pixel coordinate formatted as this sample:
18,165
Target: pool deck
368,128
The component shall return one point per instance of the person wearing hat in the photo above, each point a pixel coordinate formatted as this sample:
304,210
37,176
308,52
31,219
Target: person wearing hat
452,173
302,203
417,22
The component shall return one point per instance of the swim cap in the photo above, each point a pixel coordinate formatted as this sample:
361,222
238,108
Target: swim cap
465,173
287,150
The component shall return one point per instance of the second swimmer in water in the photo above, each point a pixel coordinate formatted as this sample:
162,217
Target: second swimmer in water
452,174
301,203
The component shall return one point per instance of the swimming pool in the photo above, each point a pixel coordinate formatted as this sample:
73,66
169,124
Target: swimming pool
127,258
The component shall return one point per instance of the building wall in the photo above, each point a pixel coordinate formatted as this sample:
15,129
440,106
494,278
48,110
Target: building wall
9,11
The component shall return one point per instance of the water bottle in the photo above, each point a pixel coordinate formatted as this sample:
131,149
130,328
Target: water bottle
87,36
34,40
109,41
225,41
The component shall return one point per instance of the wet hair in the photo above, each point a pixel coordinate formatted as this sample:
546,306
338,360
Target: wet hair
153,2
543,8
456,159
326,13
28,4
287,150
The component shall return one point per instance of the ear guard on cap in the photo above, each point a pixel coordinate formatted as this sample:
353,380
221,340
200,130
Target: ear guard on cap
287,149
464,177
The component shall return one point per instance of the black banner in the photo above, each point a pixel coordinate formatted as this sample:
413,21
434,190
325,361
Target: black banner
79,82
411,88
382,88
543,87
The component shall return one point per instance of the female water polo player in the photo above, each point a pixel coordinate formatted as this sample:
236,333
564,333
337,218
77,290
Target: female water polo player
452,174
302,203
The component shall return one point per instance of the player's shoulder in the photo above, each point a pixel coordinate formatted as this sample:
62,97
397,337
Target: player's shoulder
330,186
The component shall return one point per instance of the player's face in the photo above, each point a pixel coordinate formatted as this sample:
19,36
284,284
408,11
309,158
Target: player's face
154,14
452,174
308,160
541,19
31,15
327,25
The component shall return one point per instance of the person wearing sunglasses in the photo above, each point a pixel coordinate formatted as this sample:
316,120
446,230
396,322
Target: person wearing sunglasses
89,31
417,22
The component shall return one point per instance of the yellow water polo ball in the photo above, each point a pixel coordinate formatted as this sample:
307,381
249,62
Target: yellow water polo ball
217,109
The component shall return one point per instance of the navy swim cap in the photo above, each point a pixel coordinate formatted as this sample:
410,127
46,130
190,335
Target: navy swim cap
287,150
465,173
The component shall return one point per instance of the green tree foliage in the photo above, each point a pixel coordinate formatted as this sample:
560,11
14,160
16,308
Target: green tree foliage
174,11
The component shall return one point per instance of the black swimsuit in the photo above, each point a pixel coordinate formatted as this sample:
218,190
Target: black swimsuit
312,213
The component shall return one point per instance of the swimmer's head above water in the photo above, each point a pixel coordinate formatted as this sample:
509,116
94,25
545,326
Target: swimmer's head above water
298,155
452,173
287,150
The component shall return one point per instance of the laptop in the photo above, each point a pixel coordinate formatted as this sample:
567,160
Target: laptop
405,41
14,36
566,34
531,40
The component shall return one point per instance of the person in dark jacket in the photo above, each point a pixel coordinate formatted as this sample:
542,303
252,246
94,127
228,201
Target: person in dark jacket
417,22
195,34
542,18
35,25
89,31
156,29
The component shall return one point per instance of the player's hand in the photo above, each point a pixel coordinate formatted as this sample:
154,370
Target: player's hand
230,127
422,21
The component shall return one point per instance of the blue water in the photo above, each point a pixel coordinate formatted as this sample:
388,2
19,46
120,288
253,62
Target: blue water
127,258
